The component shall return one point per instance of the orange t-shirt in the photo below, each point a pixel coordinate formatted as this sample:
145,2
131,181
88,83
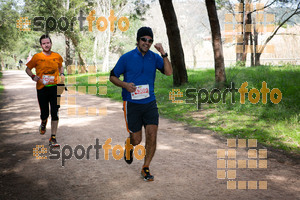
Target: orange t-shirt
46,67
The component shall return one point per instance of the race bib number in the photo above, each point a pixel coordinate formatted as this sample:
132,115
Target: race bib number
48,79
141,92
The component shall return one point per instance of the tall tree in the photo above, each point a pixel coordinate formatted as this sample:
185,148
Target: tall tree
67,9
220,77
9,34
249,17
282,21
241,11
68,60
177,55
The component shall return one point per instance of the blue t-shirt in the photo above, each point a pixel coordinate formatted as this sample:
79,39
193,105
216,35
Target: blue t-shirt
140,70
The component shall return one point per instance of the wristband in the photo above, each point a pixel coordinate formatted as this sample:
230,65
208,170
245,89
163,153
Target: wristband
32,77
62,74
164,55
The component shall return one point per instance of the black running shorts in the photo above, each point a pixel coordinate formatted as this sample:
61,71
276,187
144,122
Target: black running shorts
138,115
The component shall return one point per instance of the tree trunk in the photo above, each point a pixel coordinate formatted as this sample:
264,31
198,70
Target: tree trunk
252,43
81,61
95,51
252,49
1,65
68,60
255,40
246,37
177,55
75,43
260,51
257,59
239,55
194,57
105,66
220,76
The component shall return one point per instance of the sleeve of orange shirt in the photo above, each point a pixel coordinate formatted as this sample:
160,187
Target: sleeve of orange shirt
60,61
31,64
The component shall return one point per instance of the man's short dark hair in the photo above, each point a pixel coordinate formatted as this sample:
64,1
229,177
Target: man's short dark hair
45,36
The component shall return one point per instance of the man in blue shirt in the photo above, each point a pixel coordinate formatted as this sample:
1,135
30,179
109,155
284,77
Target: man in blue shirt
139,69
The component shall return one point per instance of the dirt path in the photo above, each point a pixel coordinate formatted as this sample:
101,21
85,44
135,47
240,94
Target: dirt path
184,166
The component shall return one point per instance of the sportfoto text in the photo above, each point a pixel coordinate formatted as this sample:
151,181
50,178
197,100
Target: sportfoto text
63,23
214,96
80,151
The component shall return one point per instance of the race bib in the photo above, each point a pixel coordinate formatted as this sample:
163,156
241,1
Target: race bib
141,92
48,79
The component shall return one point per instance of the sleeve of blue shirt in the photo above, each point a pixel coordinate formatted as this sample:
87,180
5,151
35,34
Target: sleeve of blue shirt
160,64
120,67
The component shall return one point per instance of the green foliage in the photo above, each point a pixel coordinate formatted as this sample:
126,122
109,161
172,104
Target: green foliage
14,44
273,125
240,64
126,40
83,40
123,42
221,4
8,16
112,91
1,85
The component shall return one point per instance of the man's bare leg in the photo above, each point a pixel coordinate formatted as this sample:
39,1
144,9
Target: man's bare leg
151,135
52,140
54,125
133,140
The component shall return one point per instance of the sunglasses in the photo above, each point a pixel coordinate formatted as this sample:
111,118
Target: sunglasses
145,40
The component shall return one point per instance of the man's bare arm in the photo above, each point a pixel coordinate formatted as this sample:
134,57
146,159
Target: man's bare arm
130,87
29,72
167,65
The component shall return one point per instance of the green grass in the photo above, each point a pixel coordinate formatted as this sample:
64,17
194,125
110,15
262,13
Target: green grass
273,125
83,80
1,85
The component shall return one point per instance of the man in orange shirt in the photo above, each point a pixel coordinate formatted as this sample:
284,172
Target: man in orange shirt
49,71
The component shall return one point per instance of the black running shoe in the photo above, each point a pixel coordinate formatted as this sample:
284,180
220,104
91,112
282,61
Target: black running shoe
53,142
43,128
131,153
131,157
145,173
